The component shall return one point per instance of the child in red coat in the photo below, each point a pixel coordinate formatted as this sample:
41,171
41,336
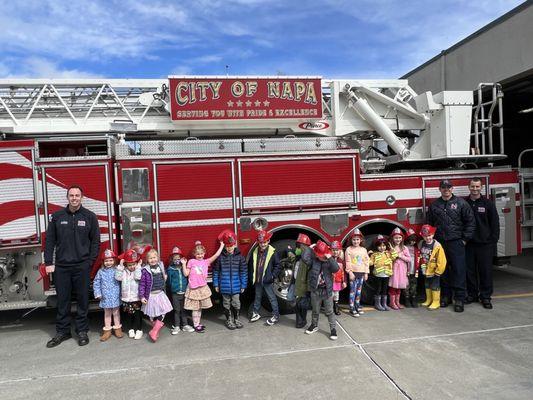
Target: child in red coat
339,277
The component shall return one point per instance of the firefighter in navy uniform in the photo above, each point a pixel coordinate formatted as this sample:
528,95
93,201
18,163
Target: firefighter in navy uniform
482,247
73,233
455,223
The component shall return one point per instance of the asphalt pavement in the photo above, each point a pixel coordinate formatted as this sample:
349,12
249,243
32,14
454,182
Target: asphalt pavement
407,354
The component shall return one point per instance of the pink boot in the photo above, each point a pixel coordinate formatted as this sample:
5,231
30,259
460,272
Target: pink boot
400,306
154,333
392,297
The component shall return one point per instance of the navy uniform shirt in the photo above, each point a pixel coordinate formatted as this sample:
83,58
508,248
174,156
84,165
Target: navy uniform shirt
75,236
487,221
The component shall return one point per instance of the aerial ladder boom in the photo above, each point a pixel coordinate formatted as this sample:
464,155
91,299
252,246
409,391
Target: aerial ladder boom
386,115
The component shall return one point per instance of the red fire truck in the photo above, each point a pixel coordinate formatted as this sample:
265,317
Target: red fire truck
169,162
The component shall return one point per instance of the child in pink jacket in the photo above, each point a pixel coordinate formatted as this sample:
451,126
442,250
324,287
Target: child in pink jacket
400,278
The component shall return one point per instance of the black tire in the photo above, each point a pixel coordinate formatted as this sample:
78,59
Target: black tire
285,306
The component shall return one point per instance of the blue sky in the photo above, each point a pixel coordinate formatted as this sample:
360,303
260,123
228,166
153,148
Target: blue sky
154,39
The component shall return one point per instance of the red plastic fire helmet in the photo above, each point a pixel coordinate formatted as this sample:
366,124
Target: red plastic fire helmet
321,249
336,245
397,231
427,230
263,236
142,250
177,250
130,256
108,253
357,232
228,237
303,239
380,239
410,233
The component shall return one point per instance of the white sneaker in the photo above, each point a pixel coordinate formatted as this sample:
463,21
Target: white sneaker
188,328
138,335
175,330
131,333
255,317
272,320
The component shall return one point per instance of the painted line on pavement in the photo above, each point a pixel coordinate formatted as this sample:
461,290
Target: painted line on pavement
169,365
346,310
375,363
512,296
447,335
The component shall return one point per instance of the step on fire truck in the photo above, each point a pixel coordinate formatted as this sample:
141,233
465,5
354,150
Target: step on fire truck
172,161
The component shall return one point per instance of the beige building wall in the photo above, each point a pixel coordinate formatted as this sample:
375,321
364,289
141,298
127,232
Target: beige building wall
501,51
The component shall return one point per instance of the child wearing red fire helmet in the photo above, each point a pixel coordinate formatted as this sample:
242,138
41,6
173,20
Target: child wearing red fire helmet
107,289
230,277
339,277
129,275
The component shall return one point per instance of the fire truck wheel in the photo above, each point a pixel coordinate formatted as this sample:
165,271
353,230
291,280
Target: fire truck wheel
281,285
367,293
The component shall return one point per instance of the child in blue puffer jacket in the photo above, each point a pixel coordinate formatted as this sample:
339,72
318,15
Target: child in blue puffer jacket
177,284
230,277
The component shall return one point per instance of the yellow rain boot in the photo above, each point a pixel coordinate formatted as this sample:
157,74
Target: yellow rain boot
436,300
428,298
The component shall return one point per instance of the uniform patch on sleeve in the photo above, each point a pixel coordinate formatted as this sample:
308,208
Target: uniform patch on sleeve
481,209
81,223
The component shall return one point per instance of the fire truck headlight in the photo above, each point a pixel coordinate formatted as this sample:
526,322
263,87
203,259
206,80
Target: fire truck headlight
260,224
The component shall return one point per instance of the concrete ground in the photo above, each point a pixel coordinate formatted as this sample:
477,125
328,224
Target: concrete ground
409,354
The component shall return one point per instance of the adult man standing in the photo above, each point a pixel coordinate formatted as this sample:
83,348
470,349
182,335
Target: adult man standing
454,220
482,248
73,233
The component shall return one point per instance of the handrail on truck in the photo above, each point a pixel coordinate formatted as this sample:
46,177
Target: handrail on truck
522,185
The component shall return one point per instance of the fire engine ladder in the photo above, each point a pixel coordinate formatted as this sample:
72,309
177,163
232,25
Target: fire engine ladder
38,107
485,120
59,107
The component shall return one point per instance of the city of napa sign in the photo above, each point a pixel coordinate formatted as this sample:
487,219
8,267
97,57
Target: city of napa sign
213,98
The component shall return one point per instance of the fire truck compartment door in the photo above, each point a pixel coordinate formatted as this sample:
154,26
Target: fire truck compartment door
19,198
296,184
95,182
195,200
505,201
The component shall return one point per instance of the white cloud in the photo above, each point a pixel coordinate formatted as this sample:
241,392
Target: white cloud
182,70
78,30
328,37
207,59
35,67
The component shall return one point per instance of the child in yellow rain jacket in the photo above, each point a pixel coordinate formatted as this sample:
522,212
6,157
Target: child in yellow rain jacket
382,261
432,264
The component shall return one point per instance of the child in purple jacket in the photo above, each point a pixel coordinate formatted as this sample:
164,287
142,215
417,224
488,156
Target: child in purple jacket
152,292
